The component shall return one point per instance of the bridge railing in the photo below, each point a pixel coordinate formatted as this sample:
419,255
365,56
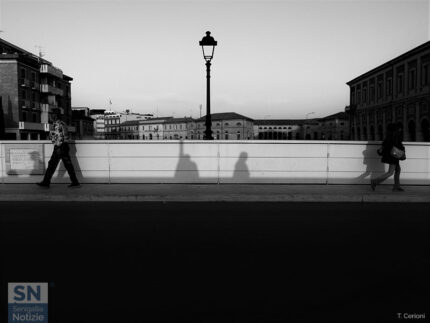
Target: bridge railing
283,162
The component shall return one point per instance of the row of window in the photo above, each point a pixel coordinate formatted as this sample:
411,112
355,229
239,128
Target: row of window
373,89
411,131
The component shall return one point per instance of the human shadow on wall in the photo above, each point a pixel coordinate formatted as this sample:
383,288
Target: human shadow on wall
62,172
241,171
186,169
372,160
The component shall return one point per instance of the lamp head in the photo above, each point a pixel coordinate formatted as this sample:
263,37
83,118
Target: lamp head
208,44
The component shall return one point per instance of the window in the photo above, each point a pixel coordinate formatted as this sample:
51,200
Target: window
24,116
425,75
412,79
238,124
24,94
389,85
400,83
379,90
34,117
23,73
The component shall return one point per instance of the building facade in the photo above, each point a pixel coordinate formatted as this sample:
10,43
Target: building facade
226,126
395,92
30,89
179,129
129,130
112,129
99,122
83,123
278,129
332,127
152,129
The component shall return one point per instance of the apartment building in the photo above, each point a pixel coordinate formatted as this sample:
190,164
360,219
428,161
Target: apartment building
30,89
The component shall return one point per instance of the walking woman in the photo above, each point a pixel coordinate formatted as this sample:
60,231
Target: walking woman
393,139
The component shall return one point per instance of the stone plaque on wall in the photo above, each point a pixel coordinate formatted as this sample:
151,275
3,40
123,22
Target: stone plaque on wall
24,159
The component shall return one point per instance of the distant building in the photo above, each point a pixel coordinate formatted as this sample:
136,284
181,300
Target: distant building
179,128
30,88
278,129
332,127
129,130
112,128
83,123
127,115
152,129
397,91
227,126
99,122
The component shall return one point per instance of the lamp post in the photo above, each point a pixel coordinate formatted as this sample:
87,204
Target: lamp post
208,44
307,115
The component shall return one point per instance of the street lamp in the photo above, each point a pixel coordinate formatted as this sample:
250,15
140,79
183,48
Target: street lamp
208,44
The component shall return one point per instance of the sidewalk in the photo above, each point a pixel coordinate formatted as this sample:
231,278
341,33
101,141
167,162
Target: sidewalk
212,193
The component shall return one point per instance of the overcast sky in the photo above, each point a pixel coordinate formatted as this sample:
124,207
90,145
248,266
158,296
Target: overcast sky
274,59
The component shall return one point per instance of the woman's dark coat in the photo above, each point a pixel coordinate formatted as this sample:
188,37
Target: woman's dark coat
387,145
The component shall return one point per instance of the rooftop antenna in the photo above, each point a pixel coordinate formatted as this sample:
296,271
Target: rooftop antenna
110,105
41,54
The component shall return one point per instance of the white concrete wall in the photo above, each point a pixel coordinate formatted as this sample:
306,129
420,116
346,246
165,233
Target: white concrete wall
318,162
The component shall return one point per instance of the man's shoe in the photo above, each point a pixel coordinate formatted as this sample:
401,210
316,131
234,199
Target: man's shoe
372,184
43,184
75,185
398,189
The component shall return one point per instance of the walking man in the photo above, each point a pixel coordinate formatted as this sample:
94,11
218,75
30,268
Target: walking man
59,137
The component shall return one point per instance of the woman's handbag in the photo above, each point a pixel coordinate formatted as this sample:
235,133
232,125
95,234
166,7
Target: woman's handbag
398,153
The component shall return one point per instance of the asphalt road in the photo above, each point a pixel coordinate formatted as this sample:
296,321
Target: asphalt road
220,262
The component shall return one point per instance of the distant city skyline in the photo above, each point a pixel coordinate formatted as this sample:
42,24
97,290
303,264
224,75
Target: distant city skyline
274,59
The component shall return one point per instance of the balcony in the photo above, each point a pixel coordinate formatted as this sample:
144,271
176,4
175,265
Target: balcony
51,70
24,125
46,88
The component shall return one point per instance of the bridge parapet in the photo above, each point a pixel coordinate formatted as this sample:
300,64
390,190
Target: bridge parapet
252,162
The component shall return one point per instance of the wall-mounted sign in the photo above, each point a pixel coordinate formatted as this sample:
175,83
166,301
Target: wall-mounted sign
24,159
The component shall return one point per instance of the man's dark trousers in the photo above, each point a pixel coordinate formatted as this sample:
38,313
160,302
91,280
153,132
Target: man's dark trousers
60,153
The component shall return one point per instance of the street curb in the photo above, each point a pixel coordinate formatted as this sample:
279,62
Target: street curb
365,198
